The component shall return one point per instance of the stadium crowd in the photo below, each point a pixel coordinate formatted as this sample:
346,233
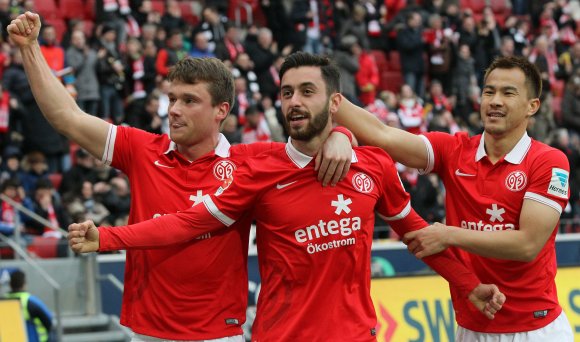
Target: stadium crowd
417,65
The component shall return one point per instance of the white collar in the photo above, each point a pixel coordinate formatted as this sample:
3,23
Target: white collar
222,149
515,156
300,159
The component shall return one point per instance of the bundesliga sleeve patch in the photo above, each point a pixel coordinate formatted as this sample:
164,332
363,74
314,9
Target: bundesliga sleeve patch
559,183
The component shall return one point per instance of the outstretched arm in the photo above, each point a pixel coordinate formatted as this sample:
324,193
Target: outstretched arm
158,232
487,298
404,147
58,107
537,222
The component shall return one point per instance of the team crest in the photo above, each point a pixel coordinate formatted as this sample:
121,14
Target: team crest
516,181
223,169
362,183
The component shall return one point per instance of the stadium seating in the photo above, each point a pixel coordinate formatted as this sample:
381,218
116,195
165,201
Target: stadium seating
46,8
72,9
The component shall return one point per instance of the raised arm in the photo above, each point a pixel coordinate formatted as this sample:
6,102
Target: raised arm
537,223
57,106
404,147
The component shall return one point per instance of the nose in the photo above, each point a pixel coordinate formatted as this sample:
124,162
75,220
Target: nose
496,100
174,109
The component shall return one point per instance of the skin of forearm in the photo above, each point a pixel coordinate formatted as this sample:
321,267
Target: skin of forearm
506,244
52,97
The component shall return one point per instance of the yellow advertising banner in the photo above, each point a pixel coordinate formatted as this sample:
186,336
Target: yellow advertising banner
419,309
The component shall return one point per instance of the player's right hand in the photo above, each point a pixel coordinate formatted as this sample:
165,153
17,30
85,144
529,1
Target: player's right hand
488,299
24,29
83,237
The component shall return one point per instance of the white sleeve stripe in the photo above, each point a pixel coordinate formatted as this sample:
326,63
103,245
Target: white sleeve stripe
400,215
213,209
110,145
544,200
430,156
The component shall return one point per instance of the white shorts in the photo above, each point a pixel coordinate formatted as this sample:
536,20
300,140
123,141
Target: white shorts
145,338
559,330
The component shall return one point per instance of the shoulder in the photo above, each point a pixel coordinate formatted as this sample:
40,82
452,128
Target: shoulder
547,155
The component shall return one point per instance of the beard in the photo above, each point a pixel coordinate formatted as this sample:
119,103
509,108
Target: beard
314,127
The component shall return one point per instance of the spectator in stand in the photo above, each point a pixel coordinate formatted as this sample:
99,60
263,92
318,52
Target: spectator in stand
464,79
507,47
243,100
11,167
410,46
12,188
83,170
229,49
150,72
111,72
347,60
571,104
410,111
355,26
113,14
150,119
568,62
35,168
172,20
46,204
52,52
37,133
367,76
134,84
278,21
117,200
545,60
212,25
437,100
274,118
270,82
83,204
200,47
313,24
231,130
83,59
244,68
440,51
172,53
264,51
256,128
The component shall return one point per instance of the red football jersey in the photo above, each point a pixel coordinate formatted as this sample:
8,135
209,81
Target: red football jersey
314,242
193,290
486,197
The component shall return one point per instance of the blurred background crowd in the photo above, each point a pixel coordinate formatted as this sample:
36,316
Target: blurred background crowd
415,64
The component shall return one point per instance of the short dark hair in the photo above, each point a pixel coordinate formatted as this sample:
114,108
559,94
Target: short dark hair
329,70
531,72
210,70
17,280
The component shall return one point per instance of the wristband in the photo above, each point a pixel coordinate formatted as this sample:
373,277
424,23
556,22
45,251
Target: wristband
344,131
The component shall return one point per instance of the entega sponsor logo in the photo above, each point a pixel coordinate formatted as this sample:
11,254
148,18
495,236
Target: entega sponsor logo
488,227
344,227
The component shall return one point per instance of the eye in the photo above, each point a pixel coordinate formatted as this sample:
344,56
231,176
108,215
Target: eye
286,93
172,100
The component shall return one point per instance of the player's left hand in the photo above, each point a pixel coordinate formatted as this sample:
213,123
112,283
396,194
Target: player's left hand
333,159
488,299
427,241
83,237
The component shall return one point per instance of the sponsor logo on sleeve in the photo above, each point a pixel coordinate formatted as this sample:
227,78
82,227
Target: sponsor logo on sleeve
559,183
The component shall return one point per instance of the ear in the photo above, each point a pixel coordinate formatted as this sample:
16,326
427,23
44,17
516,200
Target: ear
335,100
223,109
533,106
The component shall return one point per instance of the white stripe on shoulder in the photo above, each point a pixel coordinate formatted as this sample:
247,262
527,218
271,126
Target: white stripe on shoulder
213,209
110,145
430,157
544,200
400,215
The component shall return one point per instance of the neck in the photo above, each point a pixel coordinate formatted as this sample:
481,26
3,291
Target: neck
199,149
312,146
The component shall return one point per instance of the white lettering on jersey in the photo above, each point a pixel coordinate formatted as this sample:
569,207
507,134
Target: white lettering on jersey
559,183
495,214
341,204
344,227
